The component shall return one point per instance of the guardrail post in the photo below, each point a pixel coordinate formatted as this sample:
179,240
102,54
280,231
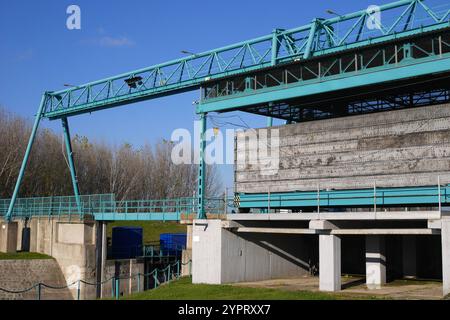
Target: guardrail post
178,269
79,290
117,287
439,192
39,291
168,273
374,199
190,267
138,282
318,200
155,278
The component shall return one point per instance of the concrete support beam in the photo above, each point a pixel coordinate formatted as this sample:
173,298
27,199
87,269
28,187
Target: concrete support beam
8,237
276,230
375,262
434,224
322,225
409,256
445,236
329,263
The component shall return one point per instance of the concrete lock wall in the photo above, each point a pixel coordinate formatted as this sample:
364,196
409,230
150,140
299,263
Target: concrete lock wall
71,243
396,148
221,256
127,268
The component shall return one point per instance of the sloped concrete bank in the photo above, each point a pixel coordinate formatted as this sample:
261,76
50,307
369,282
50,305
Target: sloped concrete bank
18,275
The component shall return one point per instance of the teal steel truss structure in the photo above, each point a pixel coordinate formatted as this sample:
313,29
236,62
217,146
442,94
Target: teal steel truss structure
270,74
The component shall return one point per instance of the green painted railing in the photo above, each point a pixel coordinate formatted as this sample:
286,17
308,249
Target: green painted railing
105,207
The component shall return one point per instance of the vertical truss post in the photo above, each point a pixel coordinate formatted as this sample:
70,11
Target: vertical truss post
311,37
270,119
275,46
201,170
26,157
73,173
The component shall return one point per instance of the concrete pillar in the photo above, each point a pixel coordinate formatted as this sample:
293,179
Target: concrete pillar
8,237
375,262
445,236
409,250
100,255
329,263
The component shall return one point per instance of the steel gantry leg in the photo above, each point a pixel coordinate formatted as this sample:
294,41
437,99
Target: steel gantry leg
73,172
201,170
25,159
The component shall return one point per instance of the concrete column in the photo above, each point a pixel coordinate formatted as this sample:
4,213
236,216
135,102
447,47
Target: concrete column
409,256
8,237
329,263
375,262
100,253
445,236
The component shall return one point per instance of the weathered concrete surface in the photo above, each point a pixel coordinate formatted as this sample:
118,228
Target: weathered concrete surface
127,268
329,263
186,260
71,243
409,256
392,149
18,275
375,262
8,237
220,256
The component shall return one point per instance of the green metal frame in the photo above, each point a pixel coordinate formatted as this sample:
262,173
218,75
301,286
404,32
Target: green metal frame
371,66
201,169
319,38
73,173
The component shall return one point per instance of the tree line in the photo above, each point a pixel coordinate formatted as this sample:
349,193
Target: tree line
130,173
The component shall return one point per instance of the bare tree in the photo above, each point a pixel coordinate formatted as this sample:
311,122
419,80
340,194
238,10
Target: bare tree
130,173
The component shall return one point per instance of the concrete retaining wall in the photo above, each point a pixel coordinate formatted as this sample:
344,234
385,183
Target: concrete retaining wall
396,148
220,256
17,275
123,268
71,243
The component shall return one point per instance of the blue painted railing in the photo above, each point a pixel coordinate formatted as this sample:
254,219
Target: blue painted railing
105,207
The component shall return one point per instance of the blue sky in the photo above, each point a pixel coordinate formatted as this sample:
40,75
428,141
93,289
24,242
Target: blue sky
38,53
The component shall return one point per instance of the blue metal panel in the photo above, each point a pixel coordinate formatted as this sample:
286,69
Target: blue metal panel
141,216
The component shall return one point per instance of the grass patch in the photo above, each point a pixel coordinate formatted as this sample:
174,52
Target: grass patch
151,229
183,289
23,256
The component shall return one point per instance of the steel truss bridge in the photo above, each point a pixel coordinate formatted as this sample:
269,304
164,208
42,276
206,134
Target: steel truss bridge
301,74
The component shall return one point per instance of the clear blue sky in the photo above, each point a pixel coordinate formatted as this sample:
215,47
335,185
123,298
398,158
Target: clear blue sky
38,53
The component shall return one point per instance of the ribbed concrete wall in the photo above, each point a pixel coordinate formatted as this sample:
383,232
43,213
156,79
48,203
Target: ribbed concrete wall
392,149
